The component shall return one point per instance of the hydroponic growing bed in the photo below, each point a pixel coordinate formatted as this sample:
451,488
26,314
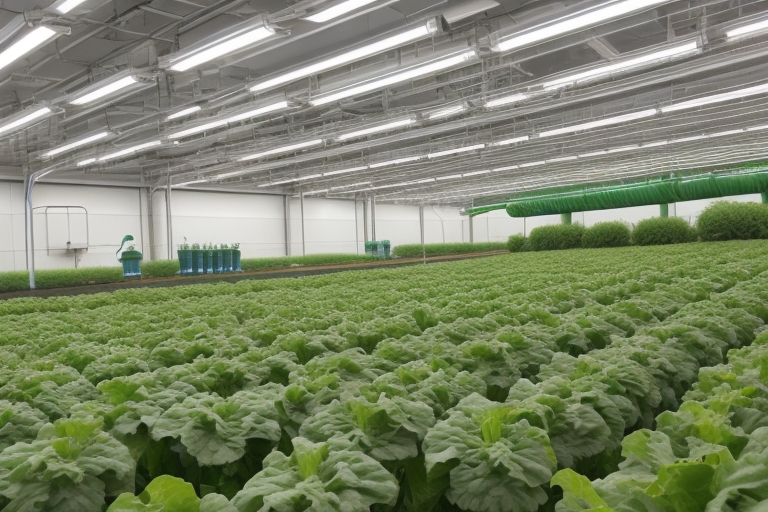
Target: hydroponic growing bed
460,386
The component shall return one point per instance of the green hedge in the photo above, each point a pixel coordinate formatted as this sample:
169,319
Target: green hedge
415,250
518,243
733,221
249,265
557,237
160,268
607,234
60,278
663,231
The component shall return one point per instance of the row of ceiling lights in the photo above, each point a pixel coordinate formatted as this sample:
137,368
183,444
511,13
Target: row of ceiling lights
211,51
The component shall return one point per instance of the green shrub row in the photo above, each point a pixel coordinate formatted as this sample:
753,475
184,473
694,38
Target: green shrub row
415,250
720,221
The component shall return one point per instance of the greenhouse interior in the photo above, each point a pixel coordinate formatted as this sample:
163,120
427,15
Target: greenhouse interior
384,255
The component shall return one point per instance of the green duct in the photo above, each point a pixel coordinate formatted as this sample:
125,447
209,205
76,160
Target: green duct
663,191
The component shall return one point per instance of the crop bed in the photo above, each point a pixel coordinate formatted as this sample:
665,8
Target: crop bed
457,386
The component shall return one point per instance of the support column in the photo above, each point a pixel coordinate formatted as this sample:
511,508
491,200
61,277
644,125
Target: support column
471,229
287,216
365,219
357,230
151,224
169,218
765,197
303,241
29,181
373,217
421,224
566,218
664,210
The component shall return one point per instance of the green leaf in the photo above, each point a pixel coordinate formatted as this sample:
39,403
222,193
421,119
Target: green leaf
578,493
163,494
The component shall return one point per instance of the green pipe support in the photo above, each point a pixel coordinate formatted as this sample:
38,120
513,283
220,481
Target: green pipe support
566,218
664,210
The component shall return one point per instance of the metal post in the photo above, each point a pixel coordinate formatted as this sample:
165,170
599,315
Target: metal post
471,229
357,230
303,242
365,219
287,216
566,218
421,224
151,224
29,181
373,218
765,197
169,218
664,210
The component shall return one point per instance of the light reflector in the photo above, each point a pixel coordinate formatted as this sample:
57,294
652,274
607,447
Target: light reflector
284,149
123,152
26,119
69,5
232,119
104,91
507,100
747,29
717,98
74,145
447,112
25,45
602,122
184,113
338,10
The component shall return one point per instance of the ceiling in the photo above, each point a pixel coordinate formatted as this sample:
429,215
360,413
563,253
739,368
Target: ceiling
461,157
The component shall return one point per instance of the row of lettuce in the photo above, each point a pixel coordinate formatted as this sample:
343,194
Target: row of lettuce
719,222
464,387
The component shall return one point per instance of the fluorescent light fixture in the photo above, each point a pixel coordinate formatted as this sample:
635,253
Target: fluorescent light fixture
507,168
513,140
232,119
104,91
578,21
25,45
127,151
747,29
475,173
637,62
395,162
184,113
691,138
717,98
562,159
655,144
309,177
447,112
506,100
86,162
345,171
26,119
395,41
381,83
622,149
426,180
376,129
284,149
594,153
532,164
190,183
758,128
456,151
352,185
219,48
67,6
451,177
338,10
602,122
75,145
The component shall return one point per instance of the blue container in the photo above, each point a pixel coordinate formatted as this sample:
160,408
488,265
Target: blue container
227,266
131,261
218,261
236,261
207,262
185,262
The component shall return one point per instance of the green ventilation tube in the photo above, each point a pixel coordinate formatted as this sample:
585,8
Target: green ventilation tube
663,191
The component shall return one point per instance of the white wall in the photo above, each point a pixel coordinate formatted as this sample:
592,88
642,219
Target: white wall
256,221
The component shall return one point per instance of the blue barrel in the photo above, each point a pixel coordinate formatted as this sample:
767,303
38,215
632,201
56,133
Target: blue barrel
131,261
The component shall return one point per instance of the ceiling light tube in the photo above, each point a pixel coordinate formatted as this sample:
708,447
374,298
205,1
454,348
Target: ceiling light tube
184,113
68,5
23,119
562,159
578,21
532,164
739,32
685,49
362,183
451,177
506,100
77,144
376,129
232,119
409,36
26,44
284,149
475,173
447,112
655,144
456,151
231,40
409,74
99,91
395,162
89,161
513,140
507,168
338,10
128,151
345,171
717,98
190,183
602,122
